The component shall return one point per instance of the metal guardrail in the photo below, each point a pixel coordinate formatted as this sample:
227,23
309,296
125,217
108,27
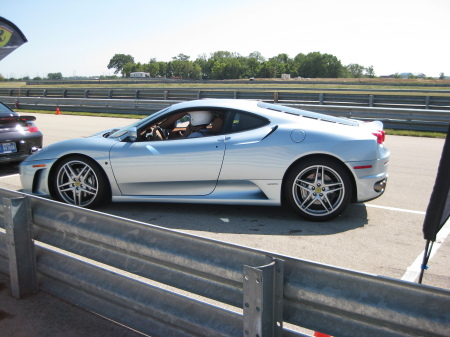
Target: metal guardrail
395,118
439,102
149,279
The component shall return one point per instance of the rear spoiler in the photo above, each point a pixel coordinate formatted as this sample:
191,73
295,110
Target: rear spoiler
18,118
373,126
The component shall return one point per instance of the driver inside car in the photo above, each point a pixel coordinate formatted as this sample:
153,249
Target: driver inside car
199,122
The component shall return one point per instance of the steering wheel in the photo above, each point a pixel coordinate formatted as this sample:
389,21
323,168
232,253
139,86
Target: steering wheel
158,133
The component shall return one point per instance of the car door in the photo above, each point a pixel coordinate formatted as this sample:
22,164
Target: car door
189,166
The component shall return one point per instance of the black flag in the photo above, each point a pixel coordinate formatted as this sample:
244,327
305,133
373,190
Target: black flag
10,37
438,210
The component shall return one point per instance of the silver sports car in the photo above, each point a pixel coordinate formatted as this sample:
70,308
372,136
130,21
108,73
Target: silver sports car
219,152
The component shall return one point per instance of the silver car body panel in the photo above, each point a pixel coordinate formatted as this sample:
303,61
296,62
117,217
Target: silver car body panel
233,168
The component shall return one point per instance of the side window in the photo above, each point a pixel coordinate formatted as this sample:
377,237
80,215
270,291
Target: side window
244,121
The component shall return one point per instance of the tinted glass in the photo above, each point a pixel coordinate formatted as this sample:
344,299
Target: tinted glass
5,111
244,121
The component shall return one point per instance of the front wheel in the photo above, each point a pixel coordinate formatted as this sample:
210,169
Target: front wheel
79,181
318,189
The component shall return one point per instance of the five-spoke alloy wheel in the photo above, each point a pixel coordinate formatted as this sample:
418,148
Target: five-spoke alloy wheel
79,181
318,189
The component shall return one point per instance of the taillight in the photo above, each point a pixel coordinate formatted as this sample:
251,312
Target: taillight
32,127
381,136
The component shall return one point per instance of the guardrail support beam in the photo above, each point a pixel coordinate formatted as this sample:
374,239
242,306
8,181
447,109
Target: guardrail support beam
321,98
20,246
263,299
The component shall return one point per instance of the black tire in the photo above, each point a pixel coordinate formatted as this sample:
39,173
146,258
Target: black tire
314,197
80,181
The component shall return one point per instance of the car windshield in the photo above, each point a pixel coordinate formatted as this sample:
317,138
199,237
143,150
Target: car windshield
137,124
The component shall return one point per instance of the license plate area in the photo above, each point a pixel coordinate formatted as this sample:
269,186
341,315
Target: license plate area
8,147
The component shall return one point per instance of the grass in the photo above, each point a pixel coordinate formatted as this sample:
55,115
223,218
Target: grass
412,133
393,132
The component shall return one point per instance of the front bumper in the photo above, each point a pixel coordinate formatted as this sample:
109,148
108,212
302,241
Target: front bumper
34,176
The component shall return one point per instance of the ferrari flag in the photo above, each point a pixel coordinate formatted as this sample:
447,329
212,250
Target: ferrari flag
438,210
10,37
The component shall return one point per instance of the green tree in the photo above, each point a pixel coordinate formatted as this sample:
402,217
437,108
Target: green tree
257,56
127,68
181,57
282,64
356,70
317,65
118,61
370,72
297,64
253,64
54,76
218,70
152,68
441,76
162,69
206,64
268,69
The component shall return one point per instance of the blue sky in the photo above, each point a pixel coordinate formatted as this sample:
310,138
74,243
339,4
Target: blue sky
80,37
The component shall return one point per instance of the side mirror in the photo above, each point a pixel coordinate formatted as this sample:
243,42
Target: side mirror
130,135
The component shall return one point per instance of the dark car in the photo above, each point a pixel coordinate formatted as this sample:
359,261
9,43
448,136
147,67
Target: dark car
19,136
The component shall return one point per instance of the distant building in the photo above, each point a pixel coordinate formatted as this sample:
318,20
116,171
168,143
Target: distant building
139,74
411,75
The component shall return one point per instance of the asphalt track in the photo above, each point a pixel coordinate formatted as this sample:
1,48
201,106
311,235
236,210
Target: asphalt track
382,237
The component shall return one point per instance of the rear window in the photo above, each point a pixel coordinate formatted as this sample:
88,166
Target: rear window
6,112
245,121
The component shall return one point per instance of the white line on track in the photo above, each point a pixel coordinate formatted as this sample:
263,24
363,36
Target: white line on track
393,209
12,175
414,270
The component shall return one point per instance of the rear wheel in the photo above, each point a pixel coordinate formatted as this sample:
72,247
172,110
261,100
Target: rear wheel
79,181
318,189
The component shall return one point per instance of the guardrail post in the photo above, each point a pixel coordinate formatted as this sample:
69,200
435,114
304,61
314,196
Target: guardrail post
371,100
20,245
86,94
166,94
263,299
199,95
427,102
275,97
136,94
321,99
110,94
64,93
